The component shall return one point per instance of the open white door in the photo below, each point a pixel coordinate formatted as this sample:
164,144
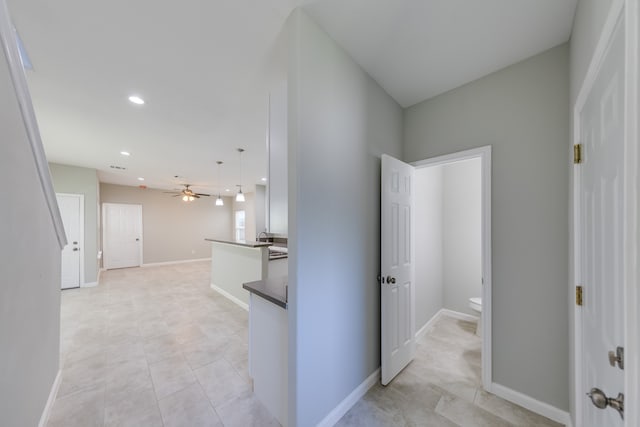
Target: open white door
122,235
600,234
72,212
397,272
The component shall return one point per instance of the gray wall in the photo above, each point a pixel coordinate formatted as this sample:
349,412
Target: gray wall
30,282
340,122
587,26
462,234
173,230
428,244
77,180
522,111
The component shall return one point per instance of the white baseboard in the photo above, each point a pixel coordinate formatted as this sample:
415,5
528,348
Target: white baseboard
344,406
44,418
458,315
89,285
424,329
229,296
528,402
183,261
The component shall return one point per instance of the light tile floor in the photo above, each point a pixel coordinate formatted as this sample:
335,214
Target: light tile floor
154,347
440,388
157,347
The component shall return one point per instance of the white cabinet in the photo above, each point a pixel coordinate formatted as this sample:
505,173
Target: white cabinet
278,174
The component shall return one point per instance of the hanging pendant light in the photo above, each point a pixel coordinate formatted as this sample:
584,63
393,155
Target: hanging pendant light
240,195
219,201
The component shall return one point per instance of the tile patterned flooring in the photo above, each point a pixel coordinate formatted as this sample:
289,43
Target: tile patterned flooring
157,347
440,388
154,347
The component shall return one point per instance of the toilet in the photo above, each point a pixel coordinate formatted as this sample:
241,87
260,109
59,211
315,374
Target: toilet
475,304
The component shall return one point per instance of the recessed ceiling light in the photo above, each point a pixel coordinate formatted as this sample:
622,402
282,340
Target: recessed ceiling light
136,100
140,178
226,189
125,153
264,179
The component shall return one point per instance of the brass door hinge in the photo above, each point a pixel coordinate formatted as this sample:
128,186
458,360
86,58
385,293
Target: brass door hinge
577,153
578,295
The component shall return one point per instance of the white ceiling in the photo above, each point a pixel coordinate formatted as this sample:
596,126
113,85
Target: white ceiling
417,49
204,68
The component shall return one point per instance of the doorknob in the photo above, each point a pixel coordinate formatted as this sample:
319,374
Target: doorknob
601,401
137,240
391,280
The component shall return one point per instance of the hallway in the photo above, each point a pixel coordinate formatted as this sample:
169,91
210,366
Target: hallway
154,346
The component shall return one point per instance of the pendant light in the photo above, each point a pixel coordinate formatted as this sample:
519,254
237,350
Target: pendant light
219,201
240,195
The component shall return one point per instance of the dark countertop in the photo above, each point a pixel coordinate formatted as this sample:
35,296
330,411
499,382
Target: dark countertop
247,243
271,289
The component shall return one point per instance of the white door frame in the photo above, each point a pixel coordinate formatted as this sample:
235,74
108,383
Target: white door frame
81,241
484,154
631,11
104,231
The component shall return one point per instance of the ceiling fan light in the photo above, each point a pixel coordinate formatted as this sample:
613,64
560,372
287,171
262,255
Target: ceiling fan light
219,201
191,198
185,198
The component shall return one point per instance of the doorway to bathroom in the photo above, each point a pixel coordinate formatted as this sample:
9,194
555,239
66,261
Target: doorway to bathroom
452,235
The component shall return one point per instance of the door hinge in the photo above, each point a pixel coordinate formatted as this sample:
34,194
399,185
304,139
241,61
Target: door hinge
577,154
578,295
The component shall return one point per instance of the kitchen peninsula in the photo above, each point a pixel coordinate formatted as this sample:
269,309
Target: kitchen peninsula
236,262
269,344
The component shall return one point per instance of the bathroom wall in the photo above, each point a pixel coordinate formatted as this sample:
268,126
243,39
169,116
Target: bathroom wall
462,234
448,232
428,244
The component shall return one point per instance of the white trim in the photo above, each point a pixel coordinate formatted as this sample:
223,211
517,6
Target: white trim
458,315
226,294
183,261
343,407
44,418
484,153
427,326
23,97
89,285
448,313
542,408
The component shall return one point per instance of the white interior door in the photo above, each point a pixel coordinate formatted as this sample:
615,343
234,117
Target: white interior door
397,273
71,209
601,233
122,235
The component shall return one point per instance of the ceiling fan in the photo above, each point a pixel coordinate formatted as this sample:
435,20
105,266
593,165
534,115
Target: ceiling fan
188,195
